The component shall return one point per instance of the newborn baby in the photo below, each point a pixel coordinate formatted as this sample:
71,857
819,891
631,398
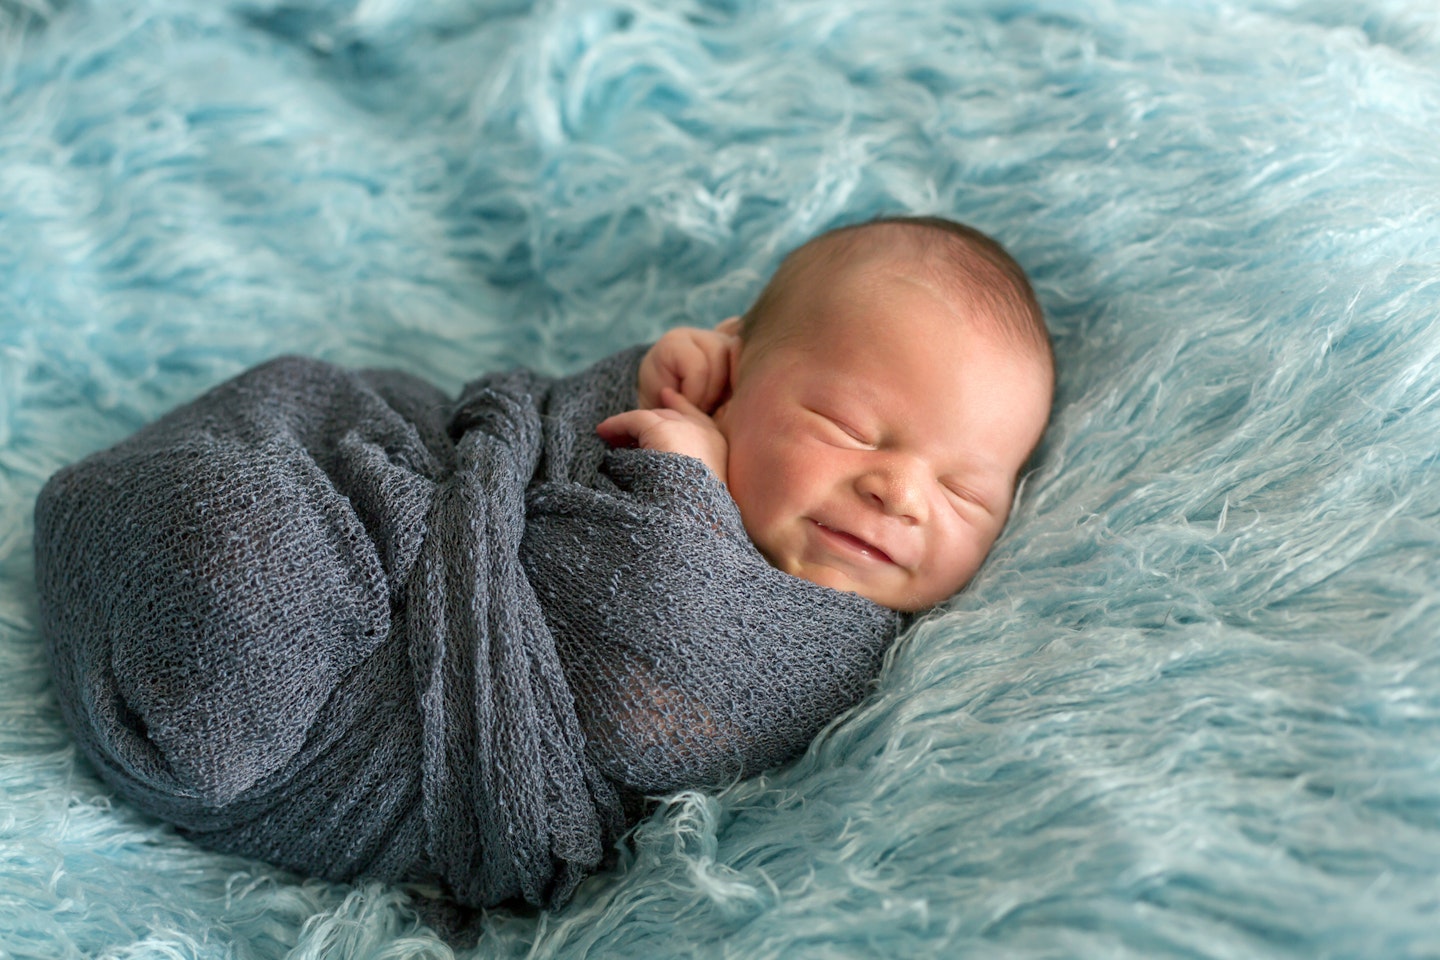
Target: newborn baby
344,623
871,414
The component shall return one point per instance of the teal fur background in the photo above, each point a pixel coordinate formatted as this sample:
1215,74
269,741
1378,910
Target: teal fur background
1190,708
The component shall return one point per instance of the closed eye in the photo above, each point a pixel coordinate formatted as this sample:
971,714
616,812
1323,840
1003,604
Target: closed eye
963,495
844,430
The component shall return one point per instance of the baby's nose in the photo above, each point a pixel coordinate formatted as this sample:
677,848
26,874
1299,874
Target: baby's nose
894,488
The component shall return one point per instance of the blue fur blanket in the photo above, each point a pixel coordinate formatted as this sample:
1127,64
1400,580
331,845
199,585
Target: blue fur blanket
1190,708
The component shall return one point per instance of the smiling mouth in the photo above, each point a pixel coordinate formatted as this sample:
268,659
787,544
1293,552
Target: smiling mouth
852,543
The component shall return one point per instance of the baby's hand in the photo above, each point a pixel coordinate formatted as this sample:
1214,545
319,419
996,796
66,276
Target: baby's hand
678,426
693,362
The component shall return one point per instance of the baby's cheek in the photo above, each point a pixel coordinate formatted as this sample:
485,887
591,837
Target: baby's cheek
763,488
958,560
794,482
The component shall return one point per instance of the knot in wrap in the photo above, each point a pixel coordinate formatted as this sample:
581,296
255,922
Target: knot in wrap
510,801
340,622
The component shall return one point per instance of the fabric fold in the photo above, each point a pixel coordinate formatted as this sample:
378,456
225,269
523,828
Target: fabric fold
340,622
512,803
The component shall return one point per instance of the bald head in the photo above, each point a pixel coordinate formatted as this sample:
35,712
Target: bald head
982,281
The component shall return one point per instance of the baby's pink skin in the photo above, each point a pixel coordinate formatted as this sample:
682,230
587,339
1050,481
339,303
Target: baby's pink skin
675,426
683,378
875,449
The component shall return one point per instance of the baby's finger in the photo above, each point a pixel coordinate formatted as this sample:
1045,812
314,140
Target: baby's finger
670,363
655,375
692,372
681,404
717,377
623,429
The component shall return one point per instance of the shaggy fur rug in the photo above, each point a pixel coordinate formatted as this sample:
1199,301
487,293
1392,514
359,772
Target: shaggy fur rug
1191,706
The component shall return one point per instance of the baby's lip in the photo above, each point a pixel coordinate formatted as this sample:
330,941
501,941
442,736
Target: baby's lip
849,541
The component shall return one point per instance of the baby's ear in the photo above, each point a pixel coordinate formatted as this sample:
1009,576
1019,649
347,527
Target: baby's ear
730,326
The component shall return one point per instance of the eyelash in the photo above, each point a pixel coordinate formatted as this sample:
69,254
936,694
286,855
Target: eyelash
852,433
844,428
960,494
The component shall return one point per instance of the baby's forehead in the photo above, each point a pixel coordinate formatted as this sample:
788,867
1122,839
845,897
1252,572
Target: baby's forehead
892,270
985,295
879,252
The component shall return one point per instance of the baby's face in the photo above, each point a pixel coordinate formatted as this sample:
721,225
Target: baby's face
876,451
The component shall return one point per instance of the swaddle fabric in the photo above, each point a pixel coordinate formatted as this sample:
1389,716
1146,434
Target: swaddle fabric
334,621
1190,708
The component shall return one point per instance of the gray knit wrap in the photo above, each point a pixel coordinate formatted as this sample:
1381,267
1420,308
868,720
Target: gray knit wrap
337,621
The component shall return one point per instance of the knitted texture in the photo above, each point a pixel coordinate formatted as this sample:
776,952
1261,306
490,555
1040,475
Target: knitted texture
335,621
